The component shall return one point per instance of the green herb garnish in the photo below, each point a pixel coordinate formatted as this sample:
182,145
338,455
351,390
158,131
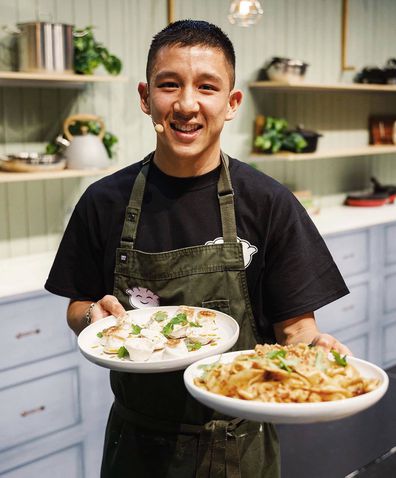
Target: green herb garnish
193,346
122,352
339,360
136,329
160,316
180,319
194,324
99,334
276,354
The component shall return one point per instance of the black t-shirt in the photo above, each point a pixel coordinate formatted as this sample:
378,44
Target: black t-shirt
289,268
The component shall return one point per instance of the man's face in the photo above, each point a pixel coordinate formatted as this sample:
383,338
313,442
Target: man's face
190,95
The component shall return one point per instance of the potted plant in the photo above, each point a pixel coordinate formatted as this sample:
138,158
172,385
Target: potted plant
272,135
89,54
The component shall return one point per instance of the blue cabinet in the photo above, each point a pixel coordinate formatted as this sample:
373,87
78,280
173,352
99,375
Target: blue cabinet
365,320
54,403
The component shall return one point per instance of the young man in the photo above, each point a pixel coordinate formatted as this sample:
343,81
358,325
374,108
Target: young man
188,225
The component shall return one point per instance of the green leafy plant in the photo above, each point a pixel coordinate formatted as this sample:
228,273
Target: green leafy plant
275,137
89,54
109,139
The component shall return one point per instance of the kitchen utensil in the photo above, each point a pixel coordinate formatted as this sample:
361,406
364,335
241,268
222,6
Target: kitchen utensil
26,162
44,47
85,151
389,189
285,412
286,70
88,342
367,199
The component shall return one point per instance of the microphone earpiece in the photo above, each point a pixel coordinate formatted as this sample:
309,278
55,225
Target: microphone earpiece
158,127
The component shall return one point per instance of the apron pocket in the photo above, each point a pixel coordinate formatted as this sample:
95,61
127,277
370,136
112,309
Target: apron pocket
222,305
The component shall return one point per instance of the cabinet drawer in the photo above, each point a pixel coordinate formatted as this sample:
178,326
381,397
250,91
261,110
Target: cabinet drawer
389,293
38,407
349,310
390,245
33,329
388,348
65,463
350,252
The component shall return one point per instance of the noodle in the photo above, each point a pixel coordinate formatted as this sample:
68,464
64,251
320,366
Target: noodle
286,374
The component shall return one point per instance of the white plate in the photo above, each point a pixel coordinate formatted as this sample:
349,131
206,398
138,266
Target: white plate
286,412
228,331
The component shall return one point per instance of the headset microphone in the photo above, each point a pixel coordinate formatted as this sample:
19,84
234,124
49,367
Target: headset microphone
158,127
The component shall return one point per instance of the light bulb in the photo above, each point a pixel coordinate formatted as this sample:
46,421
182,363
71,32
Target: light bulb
245,12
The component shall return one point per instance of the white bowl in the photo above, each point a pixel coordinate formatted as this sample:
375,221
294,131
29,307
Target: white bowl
286,412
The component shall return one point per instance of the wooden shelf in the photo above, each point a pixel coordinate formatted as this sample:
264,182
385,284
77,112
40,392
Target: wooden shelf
6,177
17,78
330,87
339,153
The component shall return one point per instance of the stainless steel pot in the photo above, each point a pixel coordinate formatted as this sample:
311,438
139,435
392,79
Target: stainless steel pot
44,47
286,69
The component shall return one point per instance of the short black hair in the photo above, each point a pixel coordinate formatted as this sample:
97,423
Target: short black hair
190,33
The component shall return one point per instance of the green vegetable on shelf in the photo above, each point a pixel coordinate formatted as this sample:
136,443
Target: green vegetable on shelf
275,137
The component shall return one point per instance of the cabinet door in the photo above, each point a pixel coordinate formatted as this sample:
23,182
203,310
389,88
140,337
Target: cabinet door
65,463
33,329
390,244
350,252
350,310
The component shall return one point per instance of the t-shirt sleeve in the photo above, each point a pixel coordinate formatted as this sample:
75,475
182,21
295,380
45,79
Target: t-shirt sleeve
300,274
77,269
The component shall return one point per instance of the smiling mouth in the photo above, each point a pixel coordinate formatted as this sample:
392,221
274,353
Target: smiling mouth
186,128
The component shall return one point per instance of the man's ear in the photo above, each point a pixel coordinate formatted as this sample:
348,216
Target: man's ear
234,101
143,90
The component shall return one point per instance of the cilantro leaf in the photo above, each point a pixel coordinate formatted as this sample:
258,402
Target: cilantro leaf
99,334
276,354
122,352
193,346
339,360
136,329
160,316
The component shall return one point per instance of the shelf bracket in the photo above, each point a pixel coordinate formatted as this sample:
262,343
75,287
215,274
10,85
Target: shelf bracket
171,10
344,37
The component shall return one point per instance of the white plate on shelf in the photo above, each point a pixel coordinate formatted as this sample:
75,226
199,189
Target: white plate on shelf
89,344
291,413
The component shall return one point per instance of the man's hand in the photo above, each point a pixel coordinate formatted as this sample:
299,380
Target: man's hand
108,305
328,342
77,310
304,329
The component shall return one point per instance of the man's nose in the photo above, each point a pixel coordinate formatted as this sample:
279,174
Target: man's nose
186,103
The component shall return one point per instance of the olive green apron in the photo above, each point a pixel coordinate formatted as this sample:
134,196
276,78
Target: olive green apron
155,428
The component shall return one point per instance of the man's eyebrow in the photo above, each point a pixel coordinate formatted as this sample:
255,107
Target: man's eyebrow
172,74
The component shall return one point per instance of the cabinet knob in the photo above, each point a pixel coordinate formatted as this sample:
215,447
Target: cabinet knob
20,335
33,410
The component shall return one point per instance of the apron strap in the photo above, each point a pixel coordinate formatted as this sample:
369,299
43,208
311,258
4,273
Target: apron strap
225,195
133,210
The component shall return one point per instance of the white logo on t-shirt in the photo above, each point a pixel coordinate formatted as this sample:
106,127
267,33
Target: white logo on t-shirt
248,249
140,297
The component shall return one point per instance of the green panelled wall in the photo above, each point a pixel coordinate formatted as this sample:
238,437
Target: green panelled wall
33,214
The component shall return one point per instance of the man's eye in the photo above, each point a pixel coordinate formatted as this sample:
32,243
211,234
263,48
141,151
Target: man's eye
168,84
207,87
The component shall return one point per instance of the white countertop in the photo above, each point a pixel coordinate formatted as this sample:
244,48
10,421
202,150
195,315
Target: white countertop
333,220
24,274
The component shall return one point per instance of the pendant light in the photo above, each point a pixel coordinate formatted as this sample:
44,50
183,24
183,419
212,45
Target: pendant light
245,12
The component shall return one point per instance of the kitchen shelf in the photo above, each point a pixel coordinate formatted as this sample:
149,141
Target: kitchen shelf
330,87
17,78
6,177
371,150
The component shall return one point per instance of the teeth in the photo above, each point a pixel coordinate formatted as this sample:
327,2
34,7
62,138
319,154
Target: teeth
187,128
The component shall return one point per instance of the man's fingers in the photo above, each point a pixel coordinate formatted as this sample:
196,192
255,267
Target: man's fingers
328,342
108,305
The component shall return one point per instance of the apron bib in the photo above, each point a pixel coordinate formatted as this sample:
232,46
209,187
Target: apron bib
156,429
